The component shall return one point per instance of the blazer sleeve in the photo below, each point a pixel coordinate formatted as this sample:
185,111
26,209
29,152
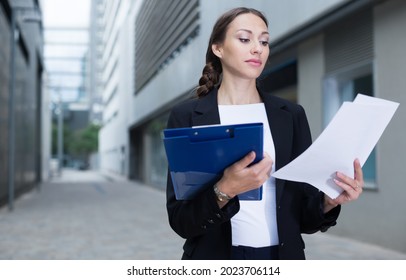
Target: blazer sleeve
191,218
313,219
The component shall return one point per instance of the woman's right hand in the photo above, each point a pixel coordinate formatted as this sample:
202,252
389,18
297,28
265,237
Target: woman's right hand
241,176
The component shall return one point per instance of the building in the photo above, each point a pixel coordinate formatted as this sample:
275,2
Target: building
24,117
95,66
113,38
322,53
67,61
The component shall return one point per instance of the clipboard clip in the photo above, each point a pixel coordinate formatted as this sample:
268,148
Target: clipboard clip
199,135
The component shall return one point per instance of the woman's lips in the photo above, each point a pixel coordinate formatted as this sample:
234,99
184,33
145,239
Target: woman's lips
254,62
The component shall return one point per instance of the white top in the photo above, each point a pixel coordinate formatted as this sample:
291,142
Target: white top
255,224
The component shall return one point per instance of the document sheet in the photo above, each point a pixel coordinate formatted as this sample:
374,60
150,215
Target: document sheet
352,133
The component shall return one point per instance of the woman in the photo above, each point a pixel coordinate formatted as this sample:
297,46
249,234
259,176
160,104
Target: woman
216,224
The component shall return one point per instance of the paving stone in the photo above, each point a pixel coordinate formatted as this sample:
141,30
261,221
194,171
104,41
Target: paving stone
90,215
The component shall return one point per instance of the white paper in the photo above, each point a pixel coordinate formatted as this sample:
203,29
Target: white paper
352,133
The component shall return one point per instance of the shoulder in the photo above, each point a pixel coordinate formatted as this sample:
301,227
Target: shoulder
185,106
182,113
282,103
288,110
199,104
195,111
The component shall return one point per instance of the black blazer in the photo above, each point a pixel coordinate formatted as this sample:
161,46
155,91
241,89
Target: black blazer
207,228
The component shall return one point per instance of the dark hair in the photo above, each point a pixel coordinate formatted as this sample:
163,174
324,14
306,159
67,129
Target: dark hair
211,74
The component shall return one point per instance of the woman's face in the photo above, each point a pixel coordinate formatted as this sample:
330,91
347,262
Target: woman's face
245,49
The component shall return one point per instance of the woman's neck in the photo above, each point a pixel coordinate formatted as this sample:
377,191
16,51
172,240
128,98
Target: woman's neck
238,93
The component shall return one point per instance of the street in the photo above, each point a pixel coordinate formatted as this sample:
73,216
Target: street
85,215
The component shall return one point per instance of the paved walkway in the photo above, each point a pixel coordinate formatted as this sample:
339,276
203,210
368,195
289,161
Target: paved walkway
88,215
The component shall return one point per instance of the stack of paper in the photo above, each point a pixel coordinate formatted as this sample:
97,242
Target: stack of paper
352,133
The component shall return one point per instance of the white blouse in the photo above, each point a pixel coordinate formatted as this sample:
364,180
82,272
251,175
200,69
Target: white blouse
255,224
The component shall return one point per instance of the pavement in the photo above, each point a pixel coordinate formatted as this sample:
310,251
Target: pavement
88,215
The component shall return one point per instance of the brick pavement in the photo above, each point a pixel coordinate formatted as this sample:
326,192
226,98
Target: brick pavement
85,216
88,215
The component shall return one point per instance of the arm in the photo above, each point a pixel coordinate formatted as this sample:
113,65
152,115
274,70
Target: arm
190,218
317,212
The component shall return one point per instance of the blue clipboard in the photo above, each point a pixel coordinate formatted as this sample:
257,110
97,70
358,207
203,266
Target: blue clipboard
197,156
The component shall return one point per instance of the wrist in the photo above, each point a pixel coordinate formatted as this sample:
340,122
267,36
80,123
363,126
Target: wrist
328,204
220,195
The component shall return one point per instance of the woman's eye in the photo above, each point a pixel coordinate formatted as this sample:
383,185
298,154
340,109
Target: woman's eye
264,43
243,40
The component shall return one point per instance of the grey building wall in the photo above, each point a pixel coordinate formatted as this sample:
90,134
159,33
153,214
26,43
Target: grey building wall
301,42
310,71
95,82
377,217
4,94
27,96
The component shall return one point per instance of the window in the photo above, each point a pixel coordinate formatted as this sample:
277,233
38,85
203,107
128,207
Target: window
344,86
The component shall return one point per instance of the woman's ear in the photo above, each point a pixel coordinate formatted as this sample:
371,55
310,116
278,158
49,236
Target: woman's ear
216,49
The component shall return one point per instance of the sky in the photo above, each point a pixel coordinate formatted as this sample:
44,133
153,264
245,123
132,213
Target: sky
64,48
66,13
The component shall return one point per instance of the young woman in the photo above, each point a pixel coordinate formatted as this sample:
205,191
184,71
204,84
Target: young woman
216,224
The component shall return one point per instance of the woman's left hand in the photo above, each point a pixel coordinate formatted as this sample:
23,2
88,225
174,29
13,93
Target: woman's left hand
352,188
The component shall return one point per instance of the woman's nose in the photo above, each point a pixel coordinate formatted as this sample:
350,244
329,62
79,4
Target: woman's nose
257,48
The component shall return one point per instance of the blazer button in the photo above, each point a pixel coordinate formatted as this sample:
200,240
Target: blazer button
210,221
282,244
218,215
203,227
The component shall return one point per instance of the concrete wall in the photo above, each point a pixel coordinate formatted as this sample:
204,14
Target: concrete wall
27,99
310,76
113,137
183,73
378,217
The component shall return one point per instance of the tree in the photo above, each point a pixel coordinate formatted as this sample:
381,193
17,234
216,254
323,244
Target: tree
84,142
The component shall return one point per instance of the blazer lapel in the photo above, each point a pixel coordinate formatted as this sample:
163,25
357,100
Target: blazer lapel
206,111
281,124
